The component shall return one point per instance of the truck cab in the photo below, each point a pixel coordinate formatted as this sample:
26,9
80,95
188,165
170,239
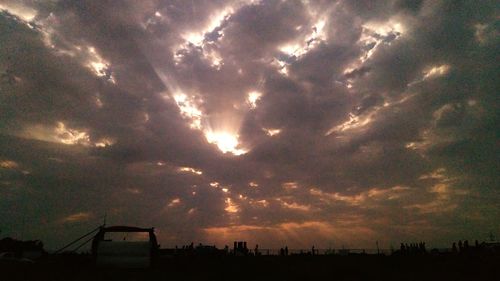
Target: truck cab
125,246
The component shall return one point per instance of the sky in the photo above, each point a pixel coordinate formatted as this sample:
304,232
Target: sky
299,123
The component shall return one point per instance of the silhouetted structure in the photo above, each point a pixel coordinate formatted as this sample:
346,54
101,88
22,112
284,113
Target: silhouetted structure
190,262
240,248
108,252
22,249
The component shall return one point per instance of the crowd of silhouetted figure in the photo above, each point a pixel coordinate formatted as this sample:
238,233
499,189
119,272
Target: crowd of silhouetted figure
413,248
313,252
192,250
33,249
240,248
462,246
241,259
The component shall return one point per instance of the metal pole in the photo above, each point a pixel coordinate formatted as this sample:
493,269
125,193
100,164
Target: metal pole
87,234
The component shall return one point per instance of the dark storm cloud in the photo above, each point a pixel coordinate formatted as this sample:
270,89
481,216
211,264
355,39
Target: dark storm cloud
371,120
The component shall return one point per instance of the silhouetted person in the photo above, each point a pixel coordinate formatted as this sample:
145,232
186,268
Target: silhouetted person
476,243
256,250
282,252
402,248
466,245
454,247
460,246
312,250
421,247
286,250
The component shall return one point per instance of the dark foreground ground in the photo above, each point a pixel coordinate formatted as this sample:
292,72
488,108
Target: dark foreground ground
355,267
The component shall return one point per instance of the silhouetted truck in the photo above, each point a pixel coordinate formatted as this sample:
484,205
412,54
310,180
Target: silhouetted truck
125,246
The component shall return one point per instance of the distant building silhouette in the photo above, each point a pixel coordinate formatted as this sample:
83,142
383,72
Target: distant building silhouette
240,248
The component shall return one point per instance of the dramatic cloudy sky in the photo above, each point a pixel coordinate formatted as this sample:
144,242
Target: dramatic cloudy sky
276,122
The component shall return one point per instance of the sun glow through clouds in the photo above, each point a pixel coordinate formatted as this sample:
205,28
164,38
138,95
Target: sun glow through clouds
197,37
71,136
378,33
99,66
189,110
252,99
272,132
436,71
25,13
174,202
226,142
230,206
298,48
104,142
190,170
219,128
8,164
299,123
